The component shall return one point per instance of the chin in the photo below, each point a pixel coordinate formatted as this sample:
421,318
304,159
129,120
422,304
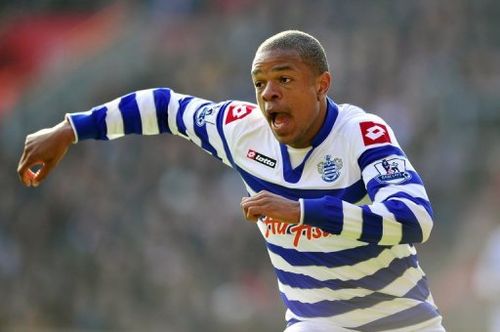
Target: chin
279,138
285,140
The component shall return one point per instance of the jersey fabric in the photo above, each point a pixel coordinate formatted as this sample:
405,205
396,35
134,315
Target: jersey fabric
349,264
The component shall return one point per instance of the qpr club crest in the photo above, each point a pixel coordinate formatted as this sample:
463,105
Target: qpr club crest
330,168
392,171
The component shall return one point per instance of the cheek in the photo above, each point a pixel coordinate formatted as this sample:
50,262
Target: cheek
260,103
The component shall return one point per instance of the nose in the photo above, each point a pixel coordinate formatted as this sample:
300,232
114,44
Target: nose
270,92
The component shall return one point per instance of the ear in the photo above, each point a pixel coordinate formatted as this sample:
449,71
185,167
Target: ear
323,82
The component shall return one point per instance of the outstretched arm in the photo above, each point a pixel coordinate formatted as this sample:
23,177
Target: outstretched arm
145,112
44,148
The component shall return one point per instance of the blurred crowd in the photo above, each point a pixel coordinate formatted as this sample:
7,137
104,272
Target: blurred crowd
146,234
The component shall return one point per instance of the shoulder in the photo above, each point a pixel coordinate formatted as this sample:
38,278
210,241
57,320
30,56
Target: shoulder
227,114
241,117
237,110
353,118
363,130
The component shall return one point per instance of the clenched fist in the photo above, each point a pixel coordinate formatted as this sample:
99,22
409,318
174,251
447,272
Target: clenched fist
271,205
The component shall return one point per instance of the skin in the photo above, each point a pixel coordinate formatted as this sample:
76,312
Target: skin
44,149
291,96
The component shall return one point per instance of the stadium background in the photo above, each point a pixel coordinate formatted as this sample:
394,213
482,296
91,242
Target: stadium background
145,234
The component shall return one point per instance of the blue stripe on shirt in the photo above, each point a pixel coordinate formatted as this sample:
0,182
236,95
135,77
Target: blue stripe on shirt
415,315
328,308
162,99
352,194
327,259
130,114
181,126
420,291
372,226
373,282
371,155
412,232
417,200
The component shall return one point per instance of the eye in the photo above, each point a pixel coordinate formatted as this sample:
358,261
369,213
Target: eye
285,79
258,84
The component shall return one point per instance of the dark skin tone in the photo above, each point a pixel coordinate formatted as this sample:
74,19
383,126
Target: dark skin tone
290,94
44,149
292,97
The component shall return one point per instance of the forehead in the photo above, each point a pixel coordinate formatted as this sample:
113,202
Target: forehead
277,60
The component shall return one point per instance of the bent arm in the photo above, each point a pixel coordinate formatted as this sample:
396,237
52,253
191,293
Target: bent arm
399,219
400,212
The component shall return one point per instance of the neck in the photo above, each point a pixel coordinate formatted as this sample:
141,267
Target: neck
315,126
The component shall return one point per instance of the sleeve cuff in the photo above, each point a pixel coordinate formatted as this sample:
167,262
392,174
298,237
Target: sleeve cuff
325,213
89,125
68,118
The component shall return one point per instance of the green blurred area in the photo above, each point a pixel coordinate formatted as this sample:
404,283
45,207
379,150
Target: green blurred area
145,234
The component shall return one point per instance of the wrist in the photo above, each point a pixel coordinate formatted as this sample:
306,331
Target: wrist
66,132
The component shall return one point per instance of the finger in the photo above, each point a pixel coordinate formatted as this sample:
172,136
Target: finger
25,171
27,177
42,173
259,195
21,166
247,205
26,174
257,199
243,209
253,213
248,214
262,193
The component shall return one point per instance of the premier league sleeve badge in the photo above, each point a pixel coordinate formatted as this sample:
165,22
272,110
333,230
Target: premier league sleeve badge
392,171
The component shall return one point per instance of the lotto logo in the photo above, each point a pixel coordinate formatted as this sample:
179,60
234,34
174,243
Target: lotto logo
259,157
238,111
374,133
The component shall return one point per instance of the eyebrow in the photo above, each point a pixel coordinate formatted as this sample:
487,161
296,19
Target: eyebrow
277,68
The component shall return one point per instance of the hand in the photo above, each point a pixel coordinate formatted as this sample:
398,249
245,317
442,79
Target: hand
44,148
271,205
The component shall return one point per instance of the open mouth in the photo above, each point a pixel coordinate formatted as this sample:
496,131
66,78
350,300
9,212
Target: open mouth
273,116
279,120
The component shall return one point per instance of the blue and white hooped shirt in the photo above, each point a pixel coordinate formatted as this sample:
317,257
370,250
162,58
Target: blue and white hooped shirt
347,263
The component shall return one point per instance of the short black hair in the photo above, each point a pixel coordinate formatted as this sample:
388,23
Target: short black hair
309,48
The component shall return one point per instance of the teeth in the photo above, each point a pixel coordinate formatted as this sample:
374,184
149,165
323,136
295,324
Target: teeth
280,119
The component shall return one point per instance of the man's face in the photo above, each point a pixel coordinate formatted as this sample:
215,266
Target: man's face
290,95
